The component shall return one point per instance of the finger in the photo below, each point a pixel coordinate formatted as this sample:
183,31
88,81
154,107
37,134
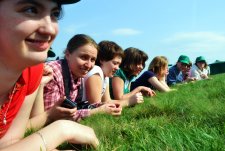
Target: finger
59,102
95,143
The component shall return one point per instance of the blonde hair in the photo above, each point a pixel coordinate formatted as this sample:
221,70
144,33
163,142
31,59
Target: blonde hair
158,64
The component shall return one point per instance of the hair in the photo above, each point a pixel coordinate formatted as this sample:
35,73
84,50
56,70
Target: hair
107,51
158,64
206,65
80,40
132,57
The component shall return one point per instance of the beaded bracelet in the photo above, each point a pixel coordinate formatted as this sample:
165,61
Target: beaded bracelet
43,139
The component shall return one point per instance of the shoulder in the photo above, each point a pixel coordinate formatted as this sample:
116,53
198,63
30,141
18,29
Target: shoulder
95,70
194,67
55,65
149,73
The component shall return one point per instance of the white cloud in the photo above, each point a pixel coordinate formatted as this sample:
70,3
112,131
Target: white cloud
198,41
126,32
209,44
72,29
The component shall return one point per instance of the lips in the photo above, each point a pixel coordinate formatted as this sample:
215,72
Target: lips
39,45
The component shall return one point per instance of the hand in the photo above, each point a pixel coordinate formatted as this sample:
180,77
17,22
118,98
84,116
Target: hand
78,134
203,76
47,75
111,108
190,79
57,112
147,91
136,99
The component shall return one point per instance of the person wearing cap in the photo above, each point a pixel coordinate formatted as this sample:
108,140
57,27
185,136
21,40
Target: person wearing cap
200,69
174,72
28,28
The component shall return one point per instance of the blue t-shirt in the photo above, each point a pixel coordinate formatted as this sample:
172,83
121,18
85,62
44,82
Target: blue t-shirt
173,76
143,80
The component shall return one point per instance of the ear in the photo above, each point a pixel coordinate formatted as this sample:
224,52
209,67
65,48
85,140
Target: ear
67,54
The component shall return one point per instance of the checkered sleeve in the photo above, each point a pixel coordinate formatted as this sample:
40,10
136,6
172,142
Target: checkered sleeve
54,90
81,114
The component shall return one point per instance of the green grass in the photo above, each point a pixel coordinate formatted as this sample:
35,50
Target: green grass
191,118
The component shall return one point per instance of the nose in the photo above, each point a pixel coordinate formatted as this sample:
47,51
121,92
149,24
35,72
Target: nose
48,27
140,66
89,64
117,67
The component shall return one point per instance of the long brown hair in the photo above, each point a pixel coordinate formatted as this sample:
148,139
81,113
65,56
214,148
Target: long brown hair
158,64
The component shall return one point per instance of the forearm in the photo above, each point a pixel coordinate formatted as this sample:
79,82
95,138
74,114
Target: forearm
53,135
39,121
38,106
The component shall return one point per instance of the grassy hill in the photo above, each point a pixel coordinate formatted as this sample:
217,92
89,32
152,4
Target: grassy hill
191,118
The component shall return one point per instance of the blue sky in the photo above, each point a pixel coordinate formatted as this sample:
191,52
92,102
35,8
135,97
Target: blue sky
158,27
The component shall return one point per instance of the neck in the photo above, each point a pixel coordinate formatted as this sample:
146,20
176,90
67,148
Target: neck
8,78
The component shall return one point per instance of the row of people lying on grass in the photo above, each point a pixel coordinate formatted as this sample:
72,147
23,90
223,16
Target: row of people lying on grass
80,57
183,71
93,81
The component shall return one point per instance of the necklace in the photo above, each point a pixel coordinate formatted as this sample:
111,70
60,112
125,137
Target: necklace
10,100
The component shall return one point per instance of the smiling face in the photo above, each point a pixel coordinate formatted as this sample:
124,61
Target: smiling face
137,69
27,29
110,67
82,60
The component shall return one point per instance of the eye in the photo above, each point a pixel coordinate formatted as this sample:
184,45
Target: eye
56,15
93,59
84,57
30,10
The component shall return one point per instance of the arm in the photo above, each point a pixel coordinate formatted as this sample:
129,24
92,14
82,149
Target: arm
118,89
93,87
159,85
63,130
118,86
135,99
195,74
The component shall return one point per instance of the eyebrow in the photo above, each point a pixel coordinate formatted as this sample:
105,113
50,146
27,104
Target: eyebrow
34,2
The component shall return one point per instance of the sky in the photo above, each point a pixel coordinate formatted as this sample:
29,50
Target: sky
158,27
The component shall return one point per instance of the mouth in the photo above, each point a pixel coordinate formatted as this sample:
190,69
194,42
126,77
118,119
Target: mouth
39,45
84,71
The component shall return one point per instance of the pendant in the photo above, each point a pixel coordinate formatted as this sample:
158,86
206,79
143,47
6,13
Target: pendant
4,121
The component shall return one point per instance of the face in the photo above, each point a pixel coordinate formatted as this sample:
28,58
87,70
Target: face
164,71
82,60
27,29
182,66
110,67
201,64
137,69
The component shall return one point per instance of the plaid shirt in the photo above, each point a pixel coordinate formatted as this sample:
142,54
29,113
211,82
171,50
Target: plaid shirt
54,90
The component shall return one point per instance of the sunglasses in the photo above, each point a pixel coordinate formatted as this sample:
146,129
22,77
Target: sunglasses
184,64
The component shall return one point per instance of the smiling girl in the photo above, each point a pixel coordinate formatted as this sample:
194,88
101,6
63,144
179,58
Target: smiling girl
28,28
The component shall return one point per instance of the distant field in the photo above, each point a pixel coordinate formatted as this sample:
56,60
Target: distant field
191,118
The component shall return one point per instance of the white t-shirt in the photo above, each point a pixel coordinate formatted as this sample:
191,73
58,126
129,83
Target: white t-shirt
105,81
196,72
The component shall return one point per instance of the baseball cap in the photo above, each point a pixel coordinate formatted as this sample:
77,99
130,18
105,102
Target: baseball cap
184,59
62,2
200,59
